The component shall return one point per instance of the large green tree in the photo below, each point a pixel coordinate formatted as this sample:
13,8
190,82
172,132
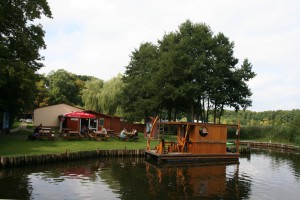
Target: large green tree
42,94
103,96
192,71
110,96
91,94
139,99
21,38
65,87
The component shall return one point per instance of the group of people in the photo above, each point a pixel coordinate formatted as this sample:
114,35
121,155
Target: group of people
85,131
128,135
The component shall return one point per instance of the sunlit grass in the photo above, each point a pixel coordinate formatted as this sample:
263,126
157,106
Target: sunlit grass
16,144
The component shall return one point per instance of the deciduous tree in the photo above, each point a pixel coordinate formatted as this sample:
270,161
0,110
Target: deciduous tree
21,38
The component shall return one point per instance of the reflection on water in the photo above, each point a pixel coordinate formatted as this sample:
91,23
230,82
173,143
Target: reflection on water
192,182
263,175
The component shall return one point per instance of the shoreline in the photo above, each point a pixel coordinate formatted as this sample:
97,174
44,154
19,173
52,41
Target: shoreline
26,160
16,161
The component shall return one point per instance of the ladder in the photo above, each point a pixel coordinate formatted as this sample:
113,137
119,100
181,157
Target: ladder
161,129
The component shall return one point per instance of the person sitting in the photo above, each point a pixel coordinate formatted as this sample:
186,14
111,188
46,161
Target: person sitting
103,131
123,133
134,134
102,134
83,131
36,132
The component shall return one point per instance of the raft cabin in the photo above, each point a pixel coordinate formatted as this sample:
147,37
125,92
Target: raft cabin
195,142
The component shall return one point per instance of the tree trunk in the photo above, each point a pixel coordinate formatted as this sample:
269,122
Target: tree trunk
192,112
169,114
207,110
215,113
175,113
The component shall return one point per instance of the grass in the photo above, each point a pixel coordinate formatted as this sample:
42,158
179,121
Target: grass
15,144
16,124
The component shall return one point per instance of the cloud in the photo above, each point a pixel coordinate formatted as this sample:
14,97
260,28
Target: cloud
96,37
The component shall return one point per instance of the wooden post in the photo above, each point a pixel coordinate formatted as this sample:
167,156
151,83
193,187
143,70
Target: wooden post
238,137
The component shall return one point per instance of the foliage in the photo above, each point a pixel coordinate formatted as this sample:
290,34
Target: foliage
64,87
110,96
190,71
42,94
21,38
275,126
103,96
91,93
265,118
139,94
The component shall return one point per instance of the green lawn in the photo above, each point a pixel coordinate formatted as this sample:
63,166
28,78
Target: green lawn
15,144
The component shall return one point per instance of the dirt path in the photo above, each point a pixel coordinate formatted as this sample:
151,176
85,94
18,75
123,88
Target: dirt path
23,126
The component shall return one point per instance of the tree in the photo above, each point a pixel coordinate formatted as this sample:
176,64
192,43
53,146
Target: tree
190,71
42,96
21,38
110,96
139,97
65,87
103,96
91,94
193,60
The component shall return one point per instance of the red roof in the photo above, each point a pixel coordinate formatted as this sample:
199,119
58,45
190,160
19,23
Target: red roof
80,114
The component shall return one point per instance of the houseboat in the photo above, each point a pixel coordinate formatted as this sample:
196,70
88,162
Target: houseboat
195,142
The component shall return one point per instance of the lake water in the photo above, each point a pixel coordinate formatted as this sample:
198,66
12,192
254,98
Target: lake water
266,174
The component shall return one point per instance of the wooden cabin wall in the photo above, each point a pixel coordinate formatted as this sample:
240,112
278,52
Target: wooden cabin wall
73,123
116,124
214,142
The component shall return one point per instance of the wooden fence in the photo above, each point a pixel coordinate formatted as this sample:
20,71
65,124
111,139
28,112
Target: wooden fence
270,145
66,156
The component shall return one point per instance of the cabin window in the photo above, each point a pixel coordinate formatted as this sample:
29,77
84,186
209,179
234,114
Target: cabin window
101,121
203,131
93,123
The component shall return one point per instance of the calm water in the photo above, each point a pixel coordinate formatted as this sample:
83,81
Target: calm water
263,175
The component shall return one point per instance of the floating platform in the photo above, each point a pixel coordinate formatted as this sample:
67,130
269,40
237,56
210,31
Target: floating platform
177,157
194,143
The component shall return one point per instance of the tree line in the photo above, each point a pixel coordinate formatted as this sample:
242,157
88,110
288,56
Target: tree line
190,72
83,91
264,118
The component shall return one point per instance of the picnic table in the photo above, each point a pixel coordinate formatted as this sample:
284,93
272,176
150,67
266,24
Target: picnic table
128,137
101,135
72,134
131,137
46,133
110,132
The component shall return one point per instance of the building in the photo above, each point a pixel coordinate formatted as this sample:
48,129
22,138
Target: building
91,119
73,118
48,116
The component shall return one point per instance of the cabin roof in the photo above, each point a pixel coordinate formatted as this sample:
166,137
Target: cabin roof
198,124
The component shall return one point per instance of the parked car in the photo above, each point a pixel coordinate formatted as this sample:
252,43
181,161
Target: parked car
28,120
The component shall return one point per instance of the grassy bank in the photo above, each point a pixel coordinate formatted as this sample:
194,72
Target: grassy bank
275,134
15,144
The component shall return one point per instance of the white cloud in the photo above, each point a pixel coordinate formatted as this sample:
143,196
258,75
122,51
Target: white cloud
96,37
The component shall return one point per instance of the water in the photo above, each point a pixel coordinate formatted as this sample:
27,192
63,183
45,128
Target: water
263,175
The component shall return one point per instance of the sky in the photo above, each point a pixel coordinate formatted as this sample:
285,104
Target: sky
97,37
